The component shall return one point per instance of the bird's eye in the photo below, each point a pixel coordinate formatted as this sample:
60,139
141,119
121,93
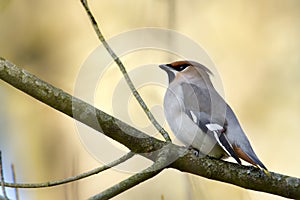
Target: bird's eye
178,66
181,67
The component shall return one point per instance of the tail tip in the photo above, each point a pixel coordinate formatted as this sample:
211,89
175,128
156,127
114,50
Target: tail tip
264,170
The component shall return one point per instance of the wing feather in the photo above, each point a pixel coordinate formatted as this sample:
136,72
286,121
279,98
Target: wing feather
208,110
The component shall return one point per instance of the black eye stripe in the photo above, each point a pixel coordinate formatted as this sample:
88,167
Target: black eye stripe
179,67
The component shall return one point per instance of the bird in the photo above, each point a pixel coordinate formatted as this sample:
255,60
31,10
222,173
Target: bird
200,118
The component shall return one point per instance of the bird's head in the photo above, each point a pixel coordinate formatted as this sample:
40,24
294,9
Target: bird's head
186,68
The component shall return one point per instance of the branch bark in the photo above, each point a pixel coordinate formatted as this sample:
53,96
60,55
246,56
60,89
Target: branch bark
138,142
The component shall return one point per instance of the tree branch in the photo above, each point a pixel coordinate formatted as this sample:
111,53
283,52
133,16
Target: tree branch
126,184
72,178
139,142
159,164
122,68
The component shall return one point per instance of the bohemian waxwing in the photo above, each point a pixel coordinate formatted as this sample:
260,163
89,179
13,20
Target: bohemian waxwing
200,118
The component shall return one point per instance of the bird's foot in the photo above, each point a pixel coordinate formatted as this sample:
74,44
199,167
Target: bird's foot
195,151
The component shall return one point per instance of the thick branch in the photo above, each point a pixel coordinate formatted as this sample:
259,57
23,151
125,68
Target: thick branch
138,142
244,176
132,138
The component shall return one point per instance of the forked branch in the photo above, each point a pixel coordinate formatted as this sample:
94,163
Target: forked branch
139,142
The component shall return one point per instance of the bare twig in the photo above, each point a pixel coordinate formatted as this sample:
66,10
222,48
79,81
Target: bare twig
2,177
15,181
161,161
72,178
124,72
126,184
139,142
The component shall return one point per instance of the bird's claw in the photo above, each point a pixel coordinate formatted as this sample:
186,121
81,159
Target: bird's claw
195,151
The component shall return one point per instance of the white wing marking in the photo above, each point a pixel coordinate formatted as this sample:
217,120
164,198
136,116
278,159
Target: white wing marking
214,127
194,117
218,140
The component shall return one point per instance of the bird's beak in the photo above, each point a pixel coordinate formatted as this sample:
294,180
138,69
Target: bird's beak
170,72
164,66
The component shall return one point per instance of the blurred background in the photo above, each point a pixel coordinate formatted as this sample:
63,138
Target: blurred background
255,46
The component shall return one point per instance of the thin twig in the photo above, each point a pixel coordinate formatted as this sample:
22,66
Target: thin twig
126,184
159,164
124,72
15,181
2,177
72,178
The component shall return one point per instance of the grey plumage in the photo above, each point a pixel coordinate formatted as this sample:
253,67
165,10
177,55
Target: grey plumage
200,117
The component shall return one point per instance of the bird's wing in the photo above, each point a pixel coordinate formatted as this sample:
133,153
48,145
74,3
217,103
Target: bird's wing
217,131
196,98
202,106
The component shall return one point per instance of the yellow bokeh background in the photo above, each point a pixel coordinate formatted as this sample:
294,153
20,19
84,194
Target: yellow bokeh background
255,46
